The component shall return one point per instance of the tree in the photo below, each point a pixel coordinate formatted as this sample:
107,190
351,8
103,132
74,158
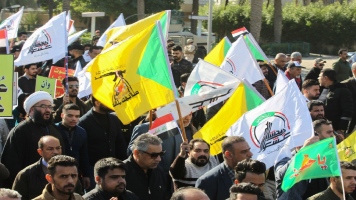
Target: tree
277,15
193,22
66,5
256,18
140,9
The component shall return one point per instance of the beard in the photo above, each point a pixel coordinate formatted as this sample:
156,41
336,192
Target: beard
199,163
115,192
62,191
103,108
38,118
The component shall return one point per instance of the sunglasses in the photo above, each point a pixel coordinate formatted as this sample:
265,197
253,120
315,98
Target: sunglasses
155,155
72,86
321,65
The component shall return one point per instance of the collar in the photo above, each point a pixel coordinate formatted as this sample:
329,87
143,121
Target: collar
27,77
230,172
47,193
340,60
65,128
44,162
106,195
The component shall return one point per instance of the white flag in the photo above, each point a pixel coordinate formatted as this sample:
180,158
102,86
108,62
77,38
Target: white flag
120,21
46,43
281,81
12,24
70,24
240,62
275,127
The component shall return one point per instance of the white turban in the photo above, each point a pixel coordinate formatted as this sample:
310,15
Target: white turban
35,98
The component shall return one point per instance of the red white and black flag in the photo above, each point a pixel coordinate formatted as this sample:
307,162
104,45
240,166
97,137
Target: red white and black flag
165,127
240,31
4,45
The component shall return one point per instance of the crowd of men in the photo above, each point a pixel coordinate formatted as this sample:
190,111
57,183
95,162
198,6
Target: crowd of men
72,148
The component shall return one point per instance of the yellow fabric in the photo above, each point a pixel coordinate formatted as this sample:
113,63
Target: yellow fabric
347,148
216,56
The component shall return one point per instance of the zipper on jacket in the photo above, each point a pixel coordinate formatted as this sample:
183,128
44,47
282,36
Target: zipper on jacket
149,191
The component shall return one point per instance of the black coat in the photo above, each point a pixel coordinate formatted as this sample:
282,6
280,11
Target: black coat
27,85
21,146
100,144
58,107
98,194
146,189
313,74
351,85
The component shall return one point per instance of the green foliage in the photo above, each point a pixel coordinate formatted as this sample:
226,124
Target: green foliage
30,18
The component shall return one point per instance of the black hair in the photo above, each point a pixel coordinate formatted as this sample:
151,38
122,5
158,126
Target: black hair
29,65
19,34
171,45
318,123
70,78
87,45
249,165
70,106
177,48
95,48
92,100
228,143
330,73
313,103
102,166
244,188
341,51
193,141
184,77
60,160
309,83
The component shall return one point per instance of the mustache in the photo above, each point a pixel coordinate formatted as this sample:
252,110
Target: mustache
202,157
69,185
121,184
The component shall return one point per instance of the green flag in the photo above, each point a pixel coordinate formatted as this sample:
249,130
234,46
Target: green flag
318,160
46,84
256,50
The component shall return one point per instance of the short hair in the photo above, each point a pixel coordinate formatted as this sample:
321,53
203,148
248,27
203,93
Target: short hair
341,51
184,77
228,142
330,73
287,54
249,165
40,142
70,106
171,45
244,188
313,103
318,123
347,165
87,45
176,48
141,142
19,34
193,141
280,55
102,166
95,48
29,65
179,194
309,83
295,54
60,160
70,78
4,192
92,100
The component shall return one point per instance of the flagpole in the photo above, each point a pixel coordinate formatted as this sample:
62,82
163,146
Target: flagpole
338,160
150,118
268,87
66,54
270,65
184,135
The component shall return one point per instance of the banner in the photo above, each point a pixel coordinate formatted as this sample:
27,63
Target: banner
12,24
120,21
6,82
46,84
59,73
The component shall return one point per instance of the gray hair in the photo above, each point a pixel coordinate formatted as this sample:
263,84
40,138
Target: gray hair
141,142
295,54
280,55
179,194
4,192
228,142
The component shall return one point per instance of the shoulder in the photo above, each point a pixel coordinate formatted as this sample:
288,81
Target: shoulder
86,116
213,173
318,196
78,197
131,195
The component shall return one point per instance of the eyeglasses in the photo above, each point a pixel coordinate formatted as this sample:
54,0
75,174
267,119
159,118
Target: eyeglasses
155,155
72,86
43,106
321,65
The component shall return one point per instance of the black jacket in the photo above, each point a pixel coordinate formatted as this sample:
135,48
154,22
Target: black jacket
21,146
74,64
150,186
102,144
58,106
313,74
339,106
351,85
179,68
98,194
27,85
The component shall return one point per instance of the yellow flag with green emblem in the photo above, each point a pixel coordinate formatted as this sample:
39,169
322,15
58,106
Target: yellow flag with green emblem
347,148
217,55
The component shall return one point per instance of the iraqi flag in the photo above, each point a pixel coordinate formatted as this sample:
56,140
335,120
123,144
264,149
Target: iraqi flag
4,45
240,31
165,127
12,24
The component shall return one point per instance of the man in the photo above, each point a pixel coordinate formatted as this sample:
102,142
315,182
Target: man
30,181
105,138
7,194
342,67
97,33
351,85
189,50
62,177
279,63
27,82
189,193
319,64
70,98
183,83
217,182
251,171
95,40
21,37
261,85
75,140
294,70
288,57
311,89
77,51
323,129
110,178
94,51
338,104
296,56
316,109
15,50
185,172
87,47
244,191
88,56
21,144
179,65
338,186
144,177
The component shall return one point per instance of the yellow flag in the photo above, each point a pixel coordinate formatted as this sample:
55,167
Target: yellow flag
134,77
217,55
347,148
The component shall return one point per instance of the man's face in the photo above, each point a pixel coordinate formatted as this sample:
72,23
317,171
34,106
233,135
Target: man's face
264,70
86,48
187,119
246,196
349,177
146,161
295,71
343,55
288,58
177,55
313,92
73,87
94,53
32,71
95,41
256,179
51,147
16,54
281,61
326,131
64,180
42,114
317,112
23,37
320,65
321,79
70,118
298,58
114,182
200,154
241,151
97,33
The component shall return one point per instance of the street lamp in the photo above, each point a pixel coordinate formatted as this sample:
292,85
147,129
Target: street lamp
11,7
93,15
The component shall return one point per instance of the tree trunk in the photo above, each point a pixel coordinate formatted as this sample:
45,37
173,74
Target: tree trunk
50,8
277,21
66,5
256,18
193,22
140,9
3,4
306,2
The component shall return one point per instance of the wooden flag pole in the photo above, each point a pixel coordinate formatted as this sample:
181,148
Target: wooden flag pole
150,118
268,87
271,66
181,122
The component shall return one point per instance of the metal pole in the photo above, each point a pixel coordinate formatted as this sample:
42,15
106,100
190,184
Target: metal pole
210,25
92,26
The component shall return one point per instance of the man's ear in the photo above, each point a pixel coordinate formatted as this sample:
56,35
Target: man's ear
227,154
49,178
62,115
98,180
136,152
39,151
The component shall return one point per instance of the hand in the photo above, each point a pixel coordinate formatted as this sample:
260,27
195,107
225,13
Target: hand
183,147
311,140
180,94
65,99
86,182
